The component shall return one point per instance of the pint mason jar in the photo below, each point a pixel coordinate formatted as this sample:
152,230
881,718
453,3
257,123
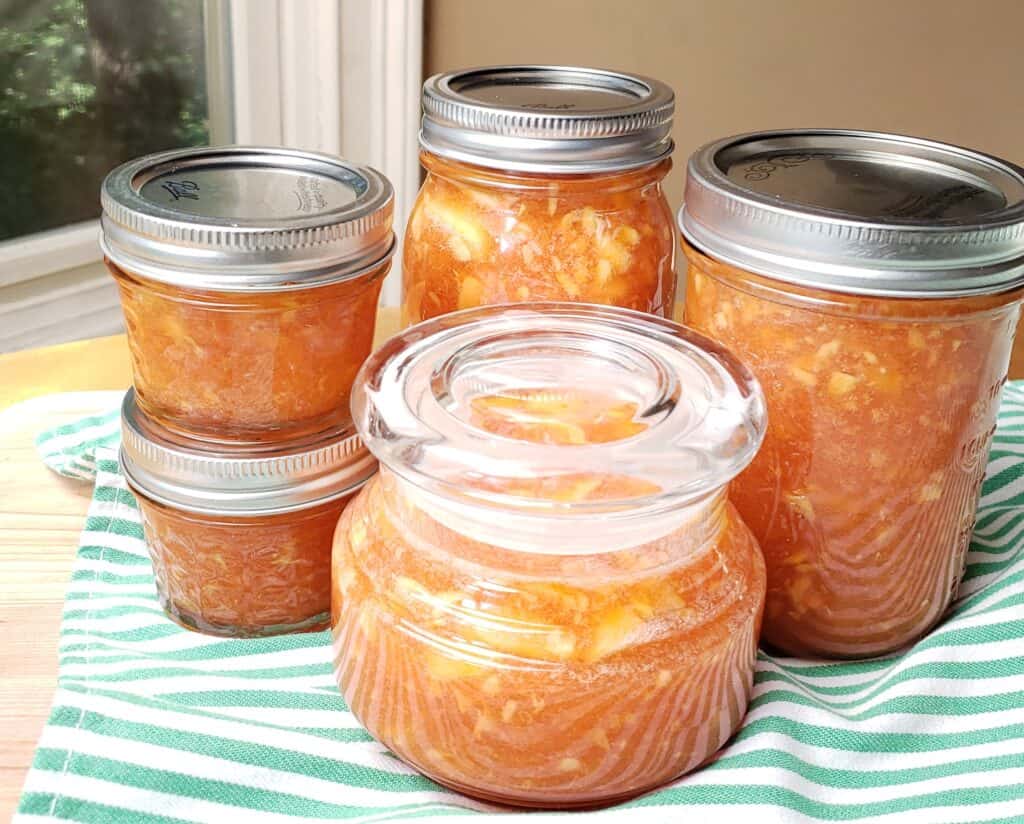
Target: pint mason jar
543,183
240,537
249,281
872,283
545,598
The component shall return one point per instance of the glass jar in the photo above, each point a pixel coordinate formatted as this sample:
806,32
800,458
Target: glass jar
542,183
545,598
871,282
240,537
249,281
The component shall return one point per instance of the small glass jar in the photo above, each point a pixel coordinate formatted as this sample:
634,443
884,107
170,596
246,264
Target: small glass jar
249,281
545,598
240,537
543,183
872,283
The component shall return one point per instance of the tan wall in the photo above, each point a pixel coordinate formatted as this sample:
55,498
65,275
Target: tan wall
948,69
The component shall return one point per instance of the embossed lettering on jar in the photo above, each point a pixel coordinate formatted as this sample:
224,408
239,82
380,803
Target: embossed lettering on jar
542,183
872,283
249,281
240,537
545,598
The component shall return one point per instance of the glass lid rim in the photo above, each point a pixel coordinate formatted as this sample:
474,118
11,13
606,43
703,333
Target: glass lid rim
415,344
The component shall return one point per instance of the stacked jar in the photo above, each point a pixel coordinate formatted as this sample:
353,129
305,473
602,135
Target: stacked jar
249,280
543,184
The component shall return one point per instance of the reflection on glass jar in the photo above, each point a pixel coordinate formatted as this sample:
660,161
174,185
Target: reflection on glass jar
882,370
517,207
545,598
249,281
240,538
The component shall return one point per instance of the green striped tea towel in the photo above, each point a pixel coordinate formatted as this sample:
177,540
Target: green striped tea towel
154,723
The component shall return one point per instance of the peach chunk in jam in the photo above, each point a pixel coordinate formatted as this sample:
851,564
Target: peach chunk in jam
547,416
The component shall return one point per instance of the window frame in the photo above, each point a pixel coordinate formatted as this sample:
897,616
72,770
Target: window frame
53,250
335,76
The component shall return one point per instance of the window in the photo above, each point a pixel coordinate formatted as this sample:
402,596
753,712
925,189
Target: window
85,85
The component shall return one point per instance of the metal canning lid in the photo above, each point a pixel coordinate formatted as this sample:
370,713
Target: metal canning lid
548,119
859,212
239,481
239,218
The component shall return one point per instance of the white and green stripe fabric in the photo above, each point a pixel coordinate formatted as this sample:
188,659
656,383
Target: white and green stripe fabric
71,450
152,723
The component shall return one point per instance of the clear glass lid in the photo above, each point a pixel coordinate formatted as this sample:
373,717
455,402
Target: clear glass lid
559,409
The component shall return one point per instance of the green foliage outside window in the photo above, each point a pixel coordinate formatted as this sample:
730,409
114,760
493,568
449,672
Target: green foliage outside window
84,86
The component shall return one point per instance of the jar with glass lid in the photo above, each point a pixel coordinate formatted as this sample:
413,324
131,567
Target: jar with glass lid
543,183
240,536
872,282
249,280
545,598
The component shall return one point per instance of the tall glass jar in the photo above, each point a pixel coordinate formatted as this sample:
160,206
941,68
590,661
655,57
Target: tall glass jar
240,537
545,598
872,283
543,183
249,281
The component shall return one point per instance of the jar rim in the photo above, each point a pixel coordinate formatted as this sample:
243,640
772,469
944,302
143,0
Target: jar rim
205,280
246,218
538,118
244,479
700,413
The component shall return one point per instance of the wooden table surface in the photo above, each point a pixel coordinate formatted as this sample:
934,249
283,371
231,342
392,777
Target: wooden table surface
40,518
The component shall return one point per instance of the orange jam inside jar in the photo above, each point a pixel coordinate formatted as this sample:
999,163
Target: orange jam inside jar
882,338
542,184
249,281
545,598
240,538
